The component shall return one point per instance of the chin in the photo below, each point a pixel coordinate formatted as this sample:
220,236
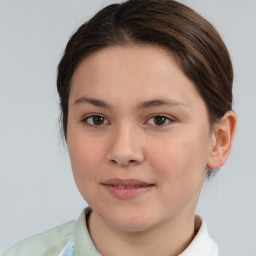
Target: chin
131,227
131,223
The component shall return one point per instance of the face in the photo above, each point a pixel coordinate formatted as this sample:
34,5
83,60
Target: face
138,136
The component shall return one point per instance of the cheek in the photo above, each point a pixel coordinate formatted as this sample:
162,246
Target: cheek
180,160
86,157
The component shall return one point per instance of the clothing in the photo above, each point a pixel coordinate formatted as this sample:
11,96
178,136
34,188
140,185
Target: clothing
73,239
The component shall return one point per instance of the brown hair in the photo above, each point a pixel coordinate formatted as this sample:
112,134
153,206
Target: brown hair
203,55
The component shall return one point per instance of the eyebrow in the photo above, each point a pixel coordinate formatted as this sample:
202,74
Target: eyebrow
141,105
159,102
95,102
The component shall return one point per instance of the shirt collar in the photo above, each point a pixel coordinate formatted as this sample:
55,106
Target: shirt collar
83,244
202,244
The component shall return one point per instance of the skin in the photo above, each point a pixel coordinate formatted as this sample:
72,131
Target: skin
129,85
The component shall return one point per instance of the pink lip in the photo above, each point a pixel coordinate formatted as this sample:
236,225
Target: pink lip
127,189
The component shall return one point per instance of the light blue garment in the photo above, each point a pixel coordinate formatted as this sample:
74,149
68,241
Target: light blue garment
68,249
73,239
70,239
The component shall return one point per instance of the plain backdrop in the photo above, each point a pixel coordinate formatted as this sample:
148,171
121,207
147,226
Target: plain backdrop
37,190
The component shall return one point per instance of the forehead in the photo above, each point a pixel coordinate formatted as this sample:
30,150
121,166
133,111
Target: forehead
138,58
134,71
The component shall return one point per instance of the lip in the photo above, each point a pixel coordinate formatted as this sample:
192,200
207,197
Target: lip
127,188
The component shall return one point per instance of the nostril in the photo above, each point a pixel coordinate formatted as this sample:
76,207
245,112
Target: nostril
123,163
113,161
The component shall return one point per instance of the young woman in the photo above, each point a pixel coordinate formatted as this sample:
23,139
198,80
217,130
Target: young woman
146,98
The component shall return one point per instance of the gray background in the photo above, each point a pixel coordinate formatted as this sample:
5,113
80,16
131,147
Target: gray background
37,190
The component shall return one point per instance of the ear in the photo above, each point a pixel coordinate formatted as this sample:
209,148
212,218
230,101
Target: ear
223,134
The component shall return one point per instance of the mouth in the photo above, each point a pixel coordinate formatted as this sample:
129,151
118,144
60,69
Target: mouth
129,186
127,189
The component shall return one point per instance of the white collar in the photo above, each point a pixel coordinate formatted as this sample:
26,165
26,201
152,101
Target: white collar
202,244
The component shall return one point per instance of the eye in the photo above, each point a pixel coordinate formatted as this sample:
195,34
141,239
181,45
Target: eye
159,120
95,120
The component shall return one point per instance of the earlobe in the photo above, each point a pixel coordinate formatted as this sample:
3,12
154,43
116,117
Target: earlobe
223,136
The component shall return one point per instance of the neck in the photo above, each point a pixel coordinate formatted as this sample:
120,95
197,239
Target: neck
168,239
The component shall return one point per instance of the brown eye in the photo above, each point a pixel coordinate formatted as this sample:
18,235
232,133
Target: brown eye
95,120
98,120
159,120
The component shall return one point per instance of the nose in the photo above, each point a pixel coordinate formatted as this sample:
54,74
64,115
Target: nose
126,146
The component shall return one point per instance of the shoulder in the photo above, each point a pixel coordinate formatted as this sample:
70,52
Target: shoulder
48,243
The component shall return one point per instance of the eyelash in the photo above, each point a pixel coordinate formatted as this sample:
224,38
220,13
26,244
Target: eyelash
166,118
86,118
